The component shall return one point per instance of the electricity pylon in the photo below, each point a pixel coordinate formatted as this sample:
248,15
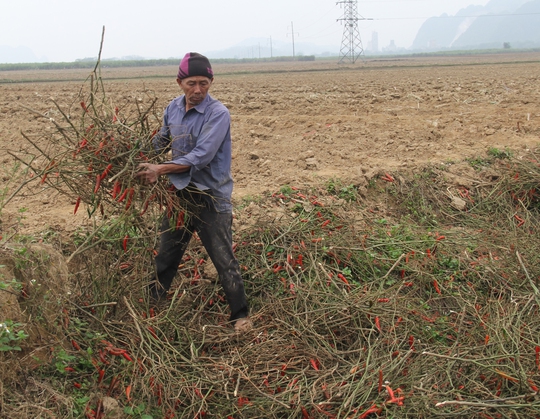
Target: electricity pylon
351,44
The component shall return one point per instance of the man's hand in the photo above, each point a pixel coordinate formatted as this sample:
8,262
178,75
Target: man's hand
148,173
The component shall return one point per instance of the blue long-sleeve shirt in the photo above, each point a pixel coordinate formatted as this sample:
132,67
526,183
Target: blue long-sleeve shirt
199,138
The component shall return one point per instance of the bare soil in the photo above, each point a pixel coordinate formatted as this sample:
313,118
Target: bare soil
303,123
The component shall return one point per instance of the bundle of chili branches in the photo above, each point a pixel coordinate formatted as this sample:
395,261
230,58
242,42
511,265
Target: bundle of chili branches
95,151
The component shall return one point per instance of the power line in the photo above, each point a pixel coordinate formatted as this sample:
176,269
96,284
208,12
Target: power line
323,16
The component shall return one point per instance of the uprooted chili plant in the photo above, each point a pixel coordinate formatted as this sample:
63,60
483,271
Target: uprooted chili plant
418,299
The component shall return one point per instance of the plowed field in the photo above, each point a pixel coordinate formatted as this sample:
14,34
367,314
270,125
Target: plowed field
300,123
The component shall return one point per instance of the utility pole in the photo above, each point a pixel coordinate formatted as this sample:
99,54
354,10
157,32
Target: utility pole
292,33
271,56
351,44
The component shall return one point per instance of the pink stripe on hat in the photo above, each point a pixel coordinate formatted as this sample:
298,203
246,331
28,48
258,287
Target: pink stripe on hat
195,64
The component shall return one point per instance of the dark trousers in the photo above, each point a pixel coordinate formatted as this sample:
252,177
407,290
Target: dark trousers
215,231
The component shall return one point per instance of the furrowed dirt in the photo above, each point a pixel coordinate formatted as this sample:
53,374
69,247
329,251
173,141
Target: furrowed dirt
303,123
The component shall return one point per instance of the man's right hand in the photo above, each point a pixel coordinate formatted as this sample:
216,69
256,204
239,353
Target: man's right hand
148,173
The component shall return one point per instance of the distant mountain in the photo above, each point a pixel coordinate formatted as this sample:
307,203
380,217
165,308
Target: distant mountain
515,23
10,55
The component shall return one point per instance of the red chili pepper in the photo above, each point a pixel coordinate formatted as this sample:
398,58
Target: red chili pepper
75,345
153,332
537,351
436,286
325,223
242,401
305,414
198,392
83,105
126,356
69,369
125,242
378,324
101,145
112,385
411,342
77,385
116,189
115,351
77,205
315,364
106,171
128,393
102,357
180,220
101,374
146,203
130,198
342,277
98,183
486,340
387,178
123,195
393,398
372,409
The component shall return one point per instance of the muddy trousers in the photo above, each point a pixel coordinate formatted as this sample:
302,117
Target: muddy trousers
214,230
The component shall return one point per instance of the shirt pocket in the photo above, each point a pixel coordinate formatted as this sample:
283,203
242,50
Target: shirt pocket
182,142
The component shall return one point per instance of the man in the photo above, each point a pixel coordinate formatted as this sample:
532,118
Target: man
196,129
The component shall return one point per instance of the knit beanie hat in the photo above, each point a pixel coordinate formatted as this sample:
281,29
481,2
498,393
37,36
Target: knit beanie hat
195,64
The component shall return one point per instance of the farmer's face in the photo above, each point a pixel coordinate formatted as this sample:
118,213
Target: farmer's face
195,88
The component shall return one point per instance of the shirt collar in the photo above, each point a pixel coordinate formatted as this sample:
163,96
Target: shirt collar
201,107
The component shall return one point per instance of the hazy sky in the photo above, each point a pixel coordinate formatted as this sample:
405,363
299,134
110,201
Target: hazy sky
65,30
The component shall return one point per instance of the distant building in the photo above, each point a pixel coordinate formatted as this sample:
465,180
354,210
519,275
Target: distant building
391,47
374,42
